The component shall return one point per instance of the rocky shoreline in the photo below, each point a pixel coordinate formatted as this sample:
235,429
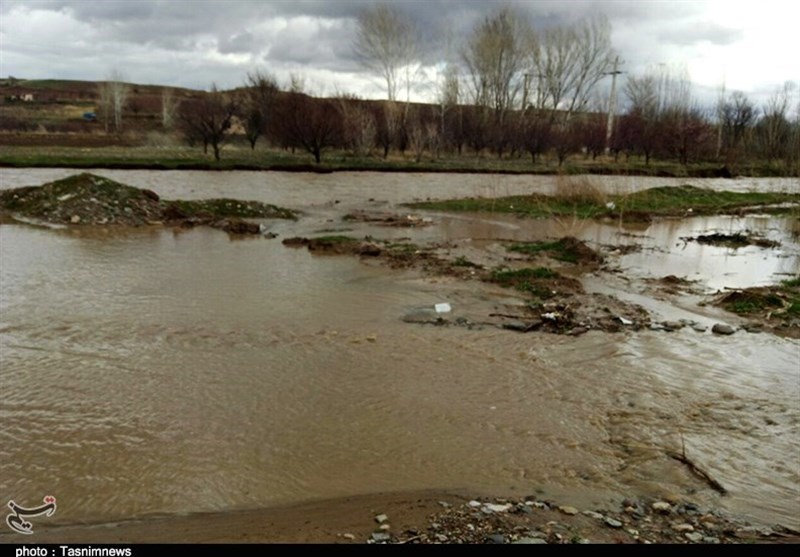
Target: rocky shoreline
432,517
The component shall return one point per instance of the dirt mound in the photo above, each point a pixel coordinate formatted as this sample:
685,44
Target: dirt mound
87,199
83,199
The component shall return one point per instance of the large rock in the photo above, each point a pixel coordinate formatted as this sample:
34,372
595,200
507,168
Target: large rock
722,329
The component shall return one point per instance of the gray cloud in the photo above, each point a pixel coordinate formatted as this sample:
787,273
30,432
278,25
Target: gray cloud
701,32
194,42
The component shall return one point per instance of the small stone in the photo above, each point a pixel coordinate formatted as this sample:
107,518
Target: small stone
497,508
722,329
517,326
662,507
536,534
683,527
441,538
594,515
385,526
694,537
613,522
444,504
709,539
527,540
381,518
75,219
379,537
435,525
475,504
568,510
348,536
699,328
672,325
526,509
496,538
539,505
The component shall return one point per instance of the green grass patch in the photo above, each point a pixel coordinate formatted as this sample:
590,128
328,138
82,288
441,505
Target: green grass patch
404,247
745,303
661,201
335,239
531,280
462,261
792,283
227,208
561,250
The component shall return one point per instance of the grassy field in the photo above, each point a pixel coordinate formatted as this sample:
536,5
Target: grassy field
162,152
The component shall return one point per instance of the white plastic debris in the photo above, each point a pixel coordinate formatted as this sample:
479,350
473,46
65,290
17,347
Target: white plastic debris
443,308
611,205
625,321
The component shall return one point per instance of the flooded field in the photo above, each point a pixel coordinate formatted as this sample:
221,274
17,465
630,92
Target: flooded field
151,371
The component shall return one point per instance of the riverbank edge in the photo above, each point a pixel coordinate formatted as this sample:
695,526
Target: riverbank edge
602,170
420,516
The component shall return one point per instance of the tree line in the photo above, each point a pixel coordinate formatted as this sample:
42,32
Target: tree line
507,91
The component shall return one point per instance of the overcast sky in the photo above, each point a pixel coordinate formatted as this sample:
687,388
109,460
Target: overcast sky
753,45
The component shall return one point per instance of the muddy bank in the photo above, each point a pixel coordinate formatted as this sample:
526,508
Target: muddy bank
90,200
432,517
543,274
769,308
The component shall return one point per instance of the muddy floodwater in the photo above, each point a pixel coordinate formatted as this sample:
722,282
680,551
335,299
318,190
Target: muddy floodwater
153,371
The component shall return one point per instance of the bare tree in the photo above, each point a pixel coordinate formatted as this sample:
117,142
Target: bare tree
494,58
358,124
258,102
738,114
775,128
640,128
386,43
118,92
389,123
308,123
104,103
209,118
169,107
569,62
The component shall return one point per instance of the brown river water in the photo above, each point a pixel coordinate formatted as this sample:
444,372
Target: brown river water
148,371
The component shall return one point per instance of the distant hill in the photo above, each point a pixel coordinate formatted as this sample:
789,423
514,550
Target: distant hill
60,105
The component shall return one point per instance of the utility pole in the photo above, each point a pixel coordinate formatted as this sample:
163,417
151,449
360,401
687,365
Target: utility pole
612,103
720,111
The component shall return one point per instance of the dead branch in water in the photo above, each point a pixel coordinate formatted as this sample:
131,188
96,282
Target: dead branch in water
697,471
